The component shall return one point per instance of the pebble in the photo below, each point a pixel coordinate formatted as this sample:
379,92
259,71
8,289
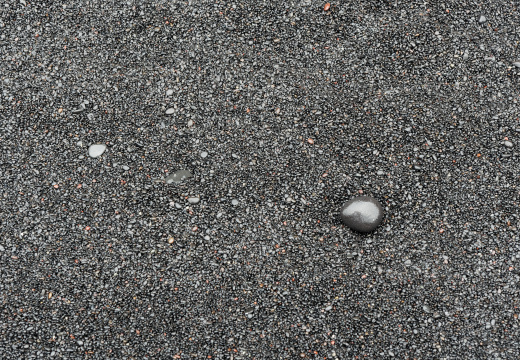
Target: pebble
193,200
96,150
380,172
234,202
509,144
482,19
169,92
170,111
362,213
517,64
177,177
203,154
79,109
126,168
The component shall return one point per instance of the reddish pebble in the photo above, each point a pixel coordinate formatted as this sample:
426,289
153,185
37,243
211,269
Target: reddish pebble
87,228
326,7
310,141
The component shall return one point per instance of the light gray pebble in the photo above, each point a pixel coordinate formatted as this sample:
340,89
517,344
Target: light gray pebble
234,202
169,92
508,144
482,19
517,64
380,172
203,154
170,111
126,167
193,200
96,150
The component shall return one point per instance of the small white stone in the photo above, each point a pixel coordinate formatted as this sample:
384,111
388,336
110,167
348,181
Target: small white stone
126,167
193,200
96,150
482,19
170,111
517,64
234,202
190,123
169,92
79,143
509,144
203,154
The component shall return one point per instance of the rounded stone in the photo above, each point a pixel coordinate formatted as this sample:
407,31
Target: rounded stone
362,213
96,150
178,177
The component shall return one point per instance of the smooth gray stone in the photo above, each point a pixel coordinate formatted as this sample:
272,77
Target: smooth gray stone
178,176
362,213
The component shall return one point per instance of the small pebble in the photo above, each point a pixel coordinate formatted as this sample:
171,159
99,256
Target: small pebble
190,123
234,202
177,177
126,168
380,172
509,144
169,92
203,154
362,213
193,200
517,64
482,19
170,111
96,150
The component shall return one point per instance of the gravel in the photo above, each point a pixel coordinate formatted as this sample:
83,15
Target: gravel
301,110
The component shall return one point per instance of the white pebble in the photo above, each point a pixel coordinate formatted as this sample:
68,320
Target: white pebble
509,144
193,200
203,154
517,64
126,167
96,150
482,19
170,111
169,92
190,123
234,202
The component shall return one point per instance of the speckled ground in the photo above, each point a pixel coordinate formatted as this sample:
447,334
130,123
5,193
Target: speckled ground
282,112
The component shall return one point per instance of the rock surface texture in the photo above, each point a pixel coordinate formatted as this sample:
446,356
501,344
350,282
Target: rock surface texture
281,111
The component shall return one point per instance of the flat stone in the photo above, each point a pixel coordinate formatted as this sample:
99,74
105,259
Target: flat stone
96,150
362,213
508,144
482,19
177,177
170,111
517,64
193,200
169,92
203,154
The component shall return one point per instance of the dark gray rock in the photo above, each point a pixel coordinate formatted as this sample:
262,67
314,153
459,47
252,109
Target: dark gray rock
362,213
